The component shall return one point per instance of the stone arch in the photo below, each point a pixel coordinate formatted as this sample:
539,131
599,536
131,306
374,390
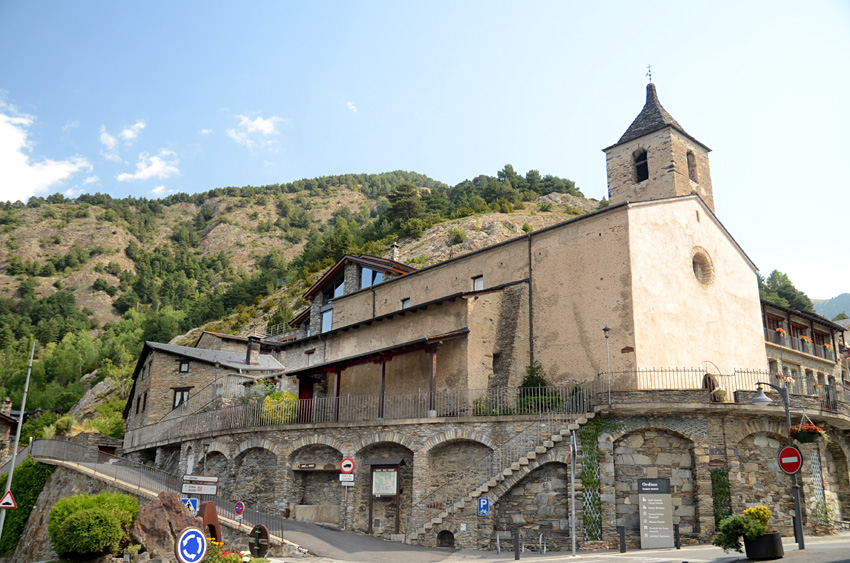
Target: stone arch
315,490
216,446
216,463
390,436
255,442
317,439
756,479
456,464
537,503
737,432
654,453
459,434
836,480
445,538
383,508
253,472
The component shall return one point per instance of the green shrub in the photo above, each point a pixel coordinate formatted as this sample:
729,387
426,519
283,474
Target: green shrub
456,236
526,228
30,478
87,533
122,507
731,529
279,408
545,206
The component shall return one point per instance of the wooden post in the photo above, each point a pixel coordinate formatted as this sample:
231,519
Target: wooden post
432,382
382,382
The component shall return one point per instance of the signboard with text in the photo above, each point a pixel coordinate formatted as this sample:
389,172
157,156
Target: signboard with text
656,513
192,488
384,481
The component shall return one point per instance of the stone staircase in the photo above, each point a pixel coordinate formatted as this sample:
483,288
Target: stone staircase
519,468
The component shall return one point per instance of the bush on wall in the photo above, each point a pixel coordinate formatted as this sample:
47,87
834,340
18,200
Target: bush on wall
27,483
64,521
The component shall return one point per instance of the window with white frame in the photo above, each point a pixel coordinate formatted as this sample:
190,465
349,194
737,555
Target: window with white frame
181,395
405,303
184,366
477,283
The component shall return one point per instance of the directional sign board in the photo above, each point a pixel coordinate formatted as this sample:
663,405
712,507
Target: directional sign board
192,488
790,460
656,513
239,508
201,478
191,504
191,546
346,477
8,501
483,506
347,465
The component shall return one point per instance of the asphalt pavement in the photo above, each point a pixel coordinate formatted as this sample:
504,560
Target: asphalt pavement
829,549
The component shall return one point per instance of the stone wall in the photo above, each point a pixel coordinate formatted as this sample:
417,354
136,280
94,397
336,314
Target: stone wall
539,504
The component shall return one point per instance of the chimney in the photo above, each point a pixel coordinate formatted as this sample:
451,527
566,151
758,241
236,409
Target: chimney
394,252
252,357
6,406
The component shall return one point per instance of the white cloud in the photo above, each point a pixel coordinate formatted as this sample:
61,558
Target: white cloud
160,191
21,177
256,132
130,133
206,131
109,143
70,125
91,180
351,106
163,165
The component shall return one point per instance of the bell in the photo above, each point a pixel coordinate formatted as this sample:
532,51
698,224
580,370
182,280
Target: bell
761,398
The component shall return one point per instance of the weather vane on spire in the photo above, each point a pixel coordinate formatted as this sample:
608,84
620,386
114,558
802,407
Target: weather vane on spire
649,72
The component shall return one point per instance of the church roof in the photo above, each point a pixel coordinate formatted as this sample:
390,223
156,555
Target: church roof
651,118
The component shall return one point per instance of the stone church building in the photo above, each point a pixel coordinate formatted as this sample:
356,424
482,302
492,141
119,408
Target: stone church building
645,316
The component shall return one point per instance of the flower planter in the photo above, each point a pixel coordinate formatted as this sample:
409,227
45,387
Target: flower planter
768,546
807,437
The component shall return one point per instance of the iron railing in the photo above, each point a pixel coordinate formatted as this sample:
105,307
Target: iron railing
149,481
450,403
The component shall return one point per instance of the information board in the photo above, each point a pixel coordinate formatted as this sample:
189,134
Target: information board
384,481
656,513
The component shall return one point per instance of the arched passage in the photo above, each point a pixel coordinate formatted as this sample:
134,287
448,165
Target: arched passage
315,490
755,478
254,478
384,512
652,453
218,465
836,481
456,465
538,504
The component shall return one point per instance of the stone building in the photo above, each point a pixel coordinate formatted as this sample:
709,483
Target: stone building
645,316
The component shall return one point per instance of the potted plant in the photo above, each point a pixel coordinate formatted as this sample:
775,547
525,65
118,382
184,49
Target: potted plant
718,395
760,541
806,433
807,342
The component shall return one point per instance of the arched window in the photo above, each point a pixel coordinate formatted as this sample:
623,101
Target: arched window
692,166
641,166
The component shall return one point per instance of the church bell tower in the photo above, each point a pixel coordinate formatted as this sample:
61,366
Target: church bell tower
656,159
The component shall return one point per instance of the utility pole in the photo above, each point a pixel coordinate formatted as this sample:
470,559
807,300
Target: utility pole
17,437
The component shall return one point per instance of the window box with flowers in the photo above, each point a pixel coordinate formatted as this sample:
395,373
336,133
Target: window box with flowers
807,433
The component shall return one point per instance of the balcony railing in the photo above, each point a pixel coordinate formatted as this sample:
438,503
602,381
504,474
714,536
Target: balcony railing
451,403
800,345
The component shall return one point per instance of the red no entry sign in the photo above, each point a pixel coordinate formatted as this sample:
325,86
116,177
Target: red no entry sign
790,460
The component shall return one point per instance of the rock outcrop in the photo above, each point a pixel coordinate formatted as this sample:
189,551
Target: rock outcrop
159,523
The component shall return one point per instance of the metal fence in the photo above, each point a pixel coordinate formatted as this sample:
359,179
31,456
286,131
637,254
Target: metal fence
452,403
148,481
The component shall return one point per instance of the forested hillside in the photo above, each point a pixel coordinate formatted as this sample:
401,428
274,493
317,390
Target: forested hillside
91,279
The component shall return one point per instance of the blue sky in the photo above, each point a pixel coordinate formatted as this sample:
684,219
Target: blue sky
151,98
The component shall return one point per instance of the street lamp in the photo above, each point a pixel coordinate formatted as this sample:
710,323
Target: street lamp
204,460
761,399
607,331
38,412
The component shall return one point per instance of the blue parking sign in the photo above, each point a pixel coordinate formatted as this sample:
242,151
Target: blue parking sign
483,506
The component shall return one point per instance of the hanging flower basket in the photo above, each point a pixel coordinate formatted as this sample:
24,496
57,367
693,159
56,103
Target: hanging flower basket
807,433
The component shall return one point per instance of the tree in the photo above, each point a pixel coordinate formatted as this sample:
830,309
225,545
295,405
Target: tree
405,204
840,316
780,290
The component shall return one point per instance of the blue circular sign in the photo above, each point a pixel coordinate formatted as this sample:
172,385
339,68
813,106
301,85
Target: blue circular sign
191,546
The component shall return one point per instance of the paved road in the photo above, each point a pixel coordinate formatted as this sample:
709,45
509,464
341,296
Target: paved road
335,546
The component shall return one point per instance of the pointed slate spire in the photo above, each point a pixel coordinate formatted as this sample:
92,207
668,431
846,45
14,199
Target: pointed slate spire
651,118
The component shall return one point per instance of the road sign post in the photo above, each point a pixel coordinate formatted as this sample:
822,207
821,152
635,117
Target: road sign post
191,546
483,506
790,460
347,465
191,504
